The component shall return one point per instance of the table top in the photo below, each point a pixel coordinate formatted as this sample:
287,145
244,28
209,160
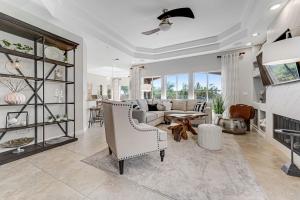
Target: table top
187,115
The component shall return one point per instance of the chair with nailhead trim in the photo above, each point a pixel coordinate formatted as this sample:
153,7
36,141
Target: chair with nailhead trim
127,139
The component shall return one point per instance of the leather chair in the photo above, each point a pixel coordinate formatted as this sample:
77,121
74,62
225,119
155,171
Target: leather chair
126,138
242,111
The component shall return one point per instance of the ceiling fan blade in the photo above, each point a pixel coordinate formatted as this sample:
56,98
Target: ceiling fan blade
179,12
151,31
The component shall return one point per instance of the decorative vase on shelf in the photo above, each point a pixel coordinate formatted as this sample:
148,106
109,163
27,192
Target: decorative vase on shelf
15,98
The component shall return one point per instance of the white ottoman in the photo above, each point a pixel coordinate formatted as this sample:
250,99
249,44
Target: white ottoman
210,136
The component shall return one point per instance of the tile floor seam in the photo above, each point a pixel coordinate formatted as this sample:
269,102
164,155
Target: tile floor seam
44,171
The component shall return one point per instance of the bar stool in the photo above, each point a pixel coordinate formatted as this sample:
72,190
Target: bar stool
290,169
96,115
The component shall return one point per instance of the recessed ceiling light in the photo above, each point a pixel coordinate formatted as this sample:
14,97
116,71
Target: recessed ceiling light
255,34
249,43
276,6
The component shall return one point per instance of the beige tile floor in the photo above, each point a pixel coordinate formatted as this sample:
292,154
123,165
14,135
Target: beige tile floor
59,174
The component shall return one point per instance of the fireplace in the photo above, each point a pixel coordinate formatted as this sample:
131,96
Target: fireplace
281,122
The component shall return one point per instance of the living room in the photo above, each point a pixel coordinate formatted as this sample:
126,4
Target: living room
165,100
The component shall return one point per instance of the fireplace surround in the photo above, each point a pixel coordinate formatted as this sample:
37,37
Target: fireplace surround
282,122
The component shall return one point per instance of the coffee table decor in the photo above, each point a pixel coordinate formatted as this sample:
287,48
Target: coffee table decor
183,124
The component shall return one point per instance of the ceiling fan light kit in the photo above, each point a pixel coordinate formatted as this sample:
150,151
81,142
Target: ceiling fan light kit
165,23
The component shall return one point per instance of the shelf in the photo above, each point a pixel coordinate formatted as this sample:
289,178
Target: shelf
59,103
32,149
20,77
59,81
19,54
32,57
22,29
32,104
32,126
56,62
12,105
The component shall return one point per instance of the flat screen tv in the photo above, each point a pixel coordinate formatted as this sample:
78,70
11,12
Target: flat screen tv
277,74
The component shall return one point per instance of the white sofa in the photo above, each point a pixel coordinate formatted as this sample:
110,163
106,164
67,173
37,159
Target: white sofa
127,139
178,106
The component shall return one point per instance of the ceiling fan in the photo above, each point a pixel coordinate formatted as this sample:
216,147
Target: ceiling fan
165,23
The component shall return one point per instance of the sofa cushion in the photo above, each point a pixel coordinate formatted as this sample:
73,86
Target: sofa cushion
191,104
151,116
179,105
161,107
143,104
168,105
158,113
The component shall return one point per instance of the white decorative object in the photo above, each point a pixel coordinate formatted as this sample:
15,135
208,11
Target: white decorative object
15,98
210,136
58,95
54,53
282,52
230,89
12,122
58,74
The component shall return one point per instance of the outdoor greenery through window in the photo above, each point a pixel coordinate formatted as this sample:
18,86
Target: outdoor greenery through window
207,86
177,86
124,92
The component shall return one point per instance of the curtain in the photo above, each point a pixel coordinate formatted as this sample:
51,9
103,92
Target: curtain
116,89
230,89
136,74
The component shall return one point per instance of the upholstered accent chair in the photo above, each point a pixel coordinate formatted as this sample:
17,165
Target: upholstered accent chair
126,138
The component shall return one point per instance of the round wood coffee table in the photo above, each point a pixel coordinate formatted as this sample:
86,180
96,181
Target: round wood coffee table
183,124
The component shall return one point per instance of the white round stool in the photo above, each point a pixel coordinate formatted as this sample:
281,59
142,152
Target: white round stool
210,136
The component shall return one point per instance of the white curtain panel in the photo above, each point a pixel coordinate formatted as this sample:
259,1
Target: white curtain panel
230,89
116,89
136,74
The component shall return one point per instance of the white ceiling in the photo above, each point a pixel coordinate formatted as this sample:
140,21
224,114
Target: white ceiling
112,28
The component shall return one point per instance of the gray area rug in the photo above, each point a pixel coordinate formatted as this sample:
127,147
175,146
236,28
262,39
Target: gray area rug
189,172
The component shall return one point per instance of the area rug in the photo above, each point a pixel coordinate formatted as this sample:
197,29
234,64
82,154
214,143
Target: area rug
189,172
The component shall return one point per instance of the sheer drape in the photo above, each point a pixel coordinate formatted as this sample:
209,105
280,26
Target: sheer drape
136,74
230,89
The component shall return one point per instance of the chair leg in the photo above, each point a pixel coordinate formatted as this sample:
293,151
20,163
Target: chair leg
121,166
162,155
110,152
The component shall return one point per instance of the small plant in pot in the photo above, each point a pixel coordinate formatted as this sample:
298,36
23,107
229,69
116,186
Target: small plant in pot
50,119
218,107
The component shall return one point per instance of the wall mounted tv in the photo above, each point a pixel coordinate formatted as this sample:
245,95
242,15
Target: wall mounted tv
277,74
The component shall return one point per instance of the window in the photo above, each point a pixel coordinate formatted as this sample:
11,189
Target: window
124,92
214,85
207,85
177,86
152,88
200,86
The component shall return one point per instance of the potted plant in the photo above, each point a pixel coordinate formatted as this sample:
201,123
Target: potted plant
218,107
57,118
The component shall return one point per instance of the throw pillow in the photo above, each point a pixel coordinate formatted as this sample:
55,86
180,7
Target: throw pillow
161,107
136,107
179,105
200,107
167,105
152,107
143,104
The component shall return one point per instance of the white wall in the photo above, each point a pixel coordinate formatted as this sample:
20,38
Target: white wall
203,63
80,67
283,99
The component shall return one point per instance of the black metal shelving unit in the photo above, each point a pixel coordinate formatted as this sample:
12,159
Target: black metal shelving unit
35,83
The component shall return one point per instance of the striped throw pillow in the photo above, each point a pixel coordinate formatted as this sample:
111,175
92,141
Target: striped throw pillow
200,106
